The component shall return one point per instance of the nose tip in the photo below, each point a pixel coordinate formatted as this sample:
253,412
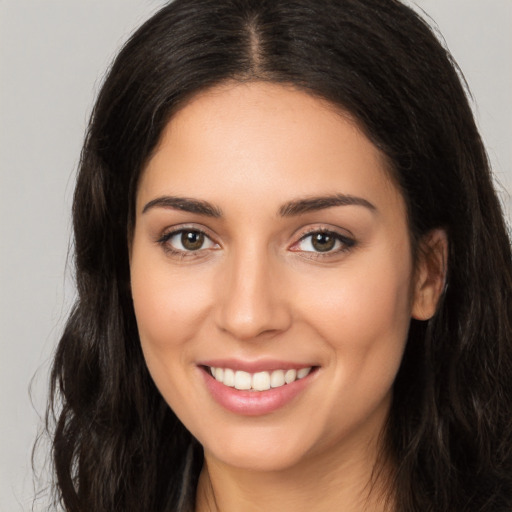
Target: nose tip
245,326
252,304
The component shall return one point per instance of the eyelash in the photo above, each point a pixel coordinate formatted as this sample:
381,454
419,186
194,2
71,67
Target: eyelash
345,243
165,239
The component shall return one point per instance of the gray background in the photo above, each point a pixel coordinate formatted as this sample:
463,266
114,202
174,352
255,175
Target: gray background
53,54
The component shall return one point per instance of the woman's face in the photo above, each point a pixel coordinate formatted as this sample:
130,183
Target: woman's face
271,249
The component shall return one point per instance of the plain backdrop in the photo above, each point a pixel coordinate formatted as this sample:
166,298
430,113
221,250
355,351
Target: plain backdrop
53,55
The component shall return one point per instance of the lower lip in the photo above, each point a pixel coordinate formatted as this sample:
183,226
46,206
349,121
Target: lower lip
254,403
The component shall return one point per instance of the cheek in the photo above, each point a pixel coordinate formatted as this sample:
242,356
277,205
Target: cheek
168,301
169,304
166,309
363,313
362,317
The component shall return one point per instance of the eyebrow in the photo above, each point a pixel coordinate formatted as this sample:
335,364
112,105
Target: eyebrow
289,209
310,204
184,204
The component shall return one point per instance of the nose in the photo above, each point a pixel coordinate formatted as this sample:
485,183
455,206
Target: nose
252,302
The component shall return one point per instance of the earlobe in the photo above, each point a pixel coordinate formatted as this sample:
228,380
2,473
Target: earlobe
430,275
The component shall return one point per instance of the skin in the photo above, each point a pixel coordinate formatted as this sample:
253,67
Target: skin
257,289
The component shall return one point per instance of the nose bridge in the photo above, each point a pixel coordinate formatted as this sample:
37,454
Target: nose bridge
251,302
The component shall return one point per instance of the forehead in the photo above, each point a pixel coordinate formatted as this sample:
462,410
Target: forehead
271,140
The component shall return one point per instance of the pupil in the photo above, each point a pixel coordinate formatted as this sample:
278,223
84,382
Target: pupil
192,240
323,242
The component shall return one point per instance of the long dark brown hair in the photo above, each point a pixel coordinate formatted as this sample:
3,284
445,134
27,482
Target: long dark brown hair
117,446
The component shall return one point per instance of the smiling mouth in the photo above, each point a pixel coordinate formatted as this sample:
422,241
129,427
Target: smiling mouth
260,381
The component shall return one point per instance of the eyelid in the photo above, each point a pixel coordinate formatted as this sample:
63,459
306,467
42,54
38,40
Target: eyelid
346,239
166,235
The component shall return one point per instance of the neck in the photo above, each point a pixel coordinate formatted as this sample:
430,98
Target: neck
355,484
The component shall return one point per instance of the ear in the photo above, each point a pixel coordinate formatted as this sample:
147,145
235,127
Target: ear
430,274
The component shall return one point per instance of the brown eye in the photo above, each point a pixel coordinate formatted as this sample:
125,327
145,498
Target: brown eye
192,240
323,242
326,242
187,240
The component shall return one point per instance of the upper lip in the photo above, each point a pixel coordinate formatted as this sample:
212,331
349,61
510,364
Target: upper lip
261,365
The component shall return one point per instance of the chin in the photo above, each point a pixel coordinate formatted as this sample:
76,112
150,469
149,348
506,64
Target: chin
259,449
269,460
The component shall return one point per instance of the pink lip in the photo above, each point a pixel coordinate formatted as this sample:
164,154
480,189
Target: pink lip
254,403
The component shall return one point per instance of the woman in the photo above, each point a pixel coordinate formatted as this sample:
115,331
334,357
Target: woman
293,272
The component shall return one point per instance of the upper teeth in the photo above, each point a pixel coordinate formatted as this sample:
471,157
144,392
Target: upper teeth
260,381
